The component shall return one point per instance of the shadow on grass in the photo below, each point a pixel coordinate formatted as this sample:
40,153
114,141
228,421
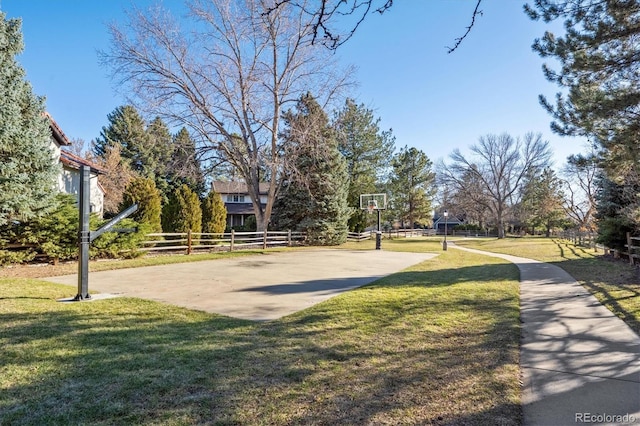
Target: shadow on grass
400,350
614,283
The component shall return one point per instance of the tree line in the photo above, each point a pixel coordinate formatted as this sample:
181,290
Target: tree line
249,91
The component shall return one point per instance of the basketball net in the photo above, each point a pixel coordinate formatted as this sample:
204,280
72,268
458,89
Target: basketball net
371,206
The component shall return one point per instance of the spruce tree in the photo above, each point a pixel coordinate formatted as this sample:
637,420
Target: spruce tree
367,151
214,213
184,166
143,191
28,170
183,212
614,216
315,198
126,128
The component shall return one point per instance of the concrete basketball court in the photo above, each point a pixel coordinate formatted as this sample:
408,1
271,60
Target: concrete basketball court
256,287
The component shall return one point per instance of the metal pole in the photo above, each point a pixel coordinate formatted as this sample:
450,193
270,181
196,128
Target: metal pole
444,244
378,234
84,234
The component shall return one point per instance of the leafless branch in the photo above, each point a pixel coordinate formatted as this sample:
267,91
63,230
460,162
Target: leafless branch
476,12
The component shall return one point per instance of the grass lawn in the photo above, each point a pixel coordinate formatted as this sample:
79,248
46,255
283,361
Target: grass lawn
615,283
434,344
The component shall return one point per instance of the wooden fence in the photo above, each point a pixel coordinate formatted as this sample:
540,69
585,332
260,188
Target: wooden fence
397,233
198,241
579,238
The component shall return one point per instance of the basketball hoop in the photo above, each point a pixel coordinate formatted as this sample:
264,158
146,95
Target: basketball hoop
371,206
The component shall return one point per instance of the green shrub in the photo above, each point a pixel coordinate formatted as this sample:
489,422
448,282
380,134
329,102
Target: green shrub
214,213
120,244
143,191
183,212
56,236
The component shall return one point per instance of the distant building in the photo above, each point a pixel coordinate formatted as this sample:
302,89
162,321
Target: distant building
69,179
439,222
237,200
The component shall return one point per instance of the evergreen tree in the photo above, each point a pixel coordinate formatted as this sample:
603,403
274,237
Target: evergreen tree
28,170
542,202
184,167
183,212
613,216
315,197
156,155
367,151
143,191
127,129
214,213
598,68
412,187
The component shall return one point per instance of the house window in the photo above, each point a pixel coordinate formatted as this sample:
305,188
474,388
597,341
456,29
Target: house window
235,198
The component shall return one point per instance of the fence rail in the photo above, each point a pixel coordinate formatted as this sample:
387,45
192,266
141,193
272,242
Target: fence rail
229,241
580,238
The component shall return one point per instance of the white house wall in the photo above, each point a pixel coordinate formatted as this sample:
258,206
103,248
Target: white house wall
69,182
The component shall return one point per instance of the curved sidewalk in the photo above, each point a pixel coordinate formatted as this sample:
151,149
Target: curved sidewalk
580,363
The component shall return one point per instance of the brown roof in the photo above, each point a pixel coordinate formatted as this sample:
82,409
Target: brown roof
74,162
240,208
57,132
236,187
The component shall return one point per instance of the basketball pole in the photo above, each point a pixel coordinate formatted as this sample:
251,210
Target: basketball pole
379,233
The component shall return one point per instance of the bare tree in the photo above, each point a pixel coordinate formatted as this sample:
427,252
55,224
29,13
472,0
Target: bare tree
580,188
228,79
499,166
324,14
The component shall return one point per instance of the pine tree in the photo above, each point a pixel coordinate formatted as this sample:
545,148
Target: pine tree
214,213
183,212
598,70
367,151
143,191
412,186
28,170
315,198
184,167
542,201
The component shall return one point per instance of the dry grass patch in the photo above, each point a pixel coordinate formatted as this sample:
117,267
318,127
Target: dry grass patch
434,344
615,283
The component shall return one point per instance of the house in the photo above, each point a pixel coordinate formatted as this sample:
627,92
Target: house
439,222
237,200
69,178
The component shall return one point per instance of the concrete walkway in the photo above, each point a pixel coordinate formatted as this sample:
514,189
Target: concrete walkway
260,287
579,362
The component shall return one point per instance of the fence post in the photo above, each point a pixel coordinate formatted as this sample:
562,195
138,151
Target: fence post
189,241
289,238
264,240
233,237
629,249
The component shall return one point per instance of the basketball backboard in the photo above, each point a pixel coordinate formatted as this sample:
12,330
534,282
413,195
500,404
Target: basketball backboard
373,201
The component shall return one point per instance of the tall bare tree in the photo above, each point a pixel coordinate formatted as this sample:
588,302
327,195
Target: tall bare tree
580,177
499,165
228,79
329,15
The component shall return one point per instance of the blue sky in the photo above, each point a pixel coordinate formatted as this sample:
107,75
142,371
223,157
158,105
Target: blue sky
432,100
